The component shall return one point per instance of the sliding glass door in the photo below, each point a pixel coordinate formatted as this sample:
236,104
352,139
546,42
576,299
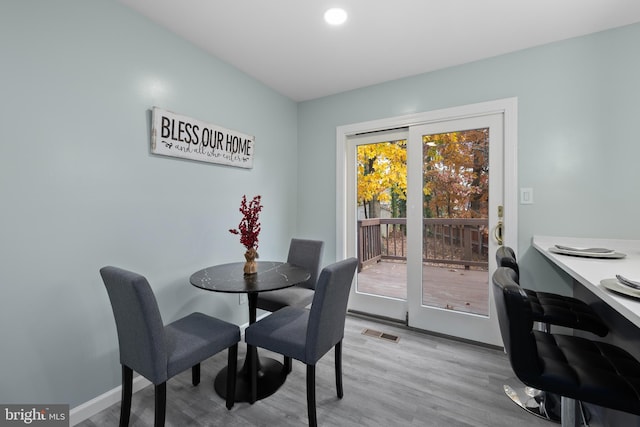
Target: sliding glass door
455,178
422,208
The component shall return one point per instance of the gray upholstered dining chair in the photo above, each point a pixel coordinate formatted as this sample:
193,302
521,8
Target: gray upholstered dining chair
308,255
303,253
308,334
160,352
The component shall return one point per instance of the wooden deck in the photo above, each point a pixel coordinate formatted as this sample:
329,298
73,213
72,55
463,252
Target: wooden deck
451,288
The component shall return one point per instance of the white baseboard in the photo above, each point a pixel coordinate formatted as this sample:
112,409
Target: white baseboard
88,409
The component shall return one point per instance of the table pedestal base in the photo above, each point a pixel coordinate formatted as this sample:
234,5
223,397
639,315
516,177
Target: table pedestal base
271,375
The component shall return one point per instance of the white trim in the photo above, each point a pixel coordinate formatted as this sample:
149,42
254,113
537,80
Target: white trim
510,154
88,409
341,194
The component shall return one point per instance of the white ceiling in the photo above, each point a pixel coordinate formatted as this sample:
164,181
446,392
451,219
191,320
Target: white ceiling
286,44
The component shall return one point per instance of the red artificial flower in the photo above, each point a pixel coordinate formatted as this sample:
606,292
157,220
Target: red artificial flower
249,227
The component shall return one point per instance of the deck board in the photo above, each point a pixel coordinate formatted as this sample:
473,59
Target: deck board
445,287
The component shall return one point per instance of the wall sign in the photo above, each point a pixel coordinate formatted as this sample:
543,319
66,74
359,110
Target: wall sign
180,136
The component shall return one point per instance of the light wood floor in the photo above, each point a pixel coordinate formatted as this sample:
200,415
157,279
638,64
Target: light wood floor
422,380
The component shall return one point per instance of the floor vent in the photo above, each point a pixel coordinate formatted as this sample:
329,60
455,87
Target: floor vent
381,335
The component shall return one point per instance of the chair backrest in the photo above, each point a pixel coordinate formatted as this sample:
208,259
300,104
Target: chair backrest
306,254
138,322
516,323
506,257
329,308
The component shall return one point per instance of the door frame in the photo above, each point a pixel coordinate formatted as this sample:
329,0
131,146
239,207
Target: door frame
345,241
385,307
451,321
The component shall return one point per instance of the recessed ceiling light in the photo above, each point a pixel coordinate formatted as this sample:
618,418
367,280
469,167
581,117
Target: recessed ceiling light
335,16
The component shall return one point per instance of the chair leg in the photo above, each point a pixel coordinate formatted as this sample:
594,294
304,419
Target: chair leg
232,367
161,404
127,389
339,369
311,395
195,374
287,365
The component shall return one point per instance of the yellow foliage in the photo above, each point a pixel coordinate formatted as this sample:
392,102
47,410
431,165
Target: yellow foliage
382,167
455,170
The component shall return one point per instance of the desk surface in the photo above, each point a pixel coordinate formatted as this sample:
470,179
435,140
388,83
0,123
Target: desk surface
271,275
590,271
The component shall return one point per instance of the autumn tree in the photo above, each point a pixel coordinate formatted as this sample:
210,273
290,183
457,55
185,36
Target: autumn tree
455,170
456,174
382,176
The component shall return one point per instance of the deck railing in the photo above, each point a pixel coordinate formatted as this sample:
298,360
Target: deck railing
455,241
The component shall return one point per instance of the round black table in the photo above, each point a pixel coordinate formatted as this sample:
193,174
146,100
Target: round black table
230,278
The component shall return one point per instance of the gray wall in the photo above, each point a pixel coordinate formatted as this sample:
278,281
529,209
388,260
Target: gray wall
578,145
80,189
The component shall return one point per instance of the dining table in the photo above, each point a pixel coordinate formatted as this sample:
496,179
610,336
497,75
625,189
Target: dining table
230,278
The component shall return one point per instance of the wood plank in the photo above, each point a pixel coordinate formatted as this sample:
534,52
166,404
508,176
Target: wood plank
422,380
443,286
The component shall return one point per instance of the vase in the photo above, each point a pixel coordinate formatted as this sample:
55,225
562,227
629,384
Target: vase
250,266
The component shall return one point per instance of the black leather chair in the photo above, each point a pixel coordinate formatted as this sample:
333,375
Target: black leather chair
308,334
554,309
160,352
572,367
548,309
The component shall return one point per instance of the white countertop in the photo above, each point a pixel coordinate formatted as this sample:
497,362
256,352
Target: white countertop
590,271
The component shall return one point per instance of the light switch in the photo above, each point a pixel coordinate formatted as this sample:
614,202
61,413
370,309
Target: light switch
526,196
